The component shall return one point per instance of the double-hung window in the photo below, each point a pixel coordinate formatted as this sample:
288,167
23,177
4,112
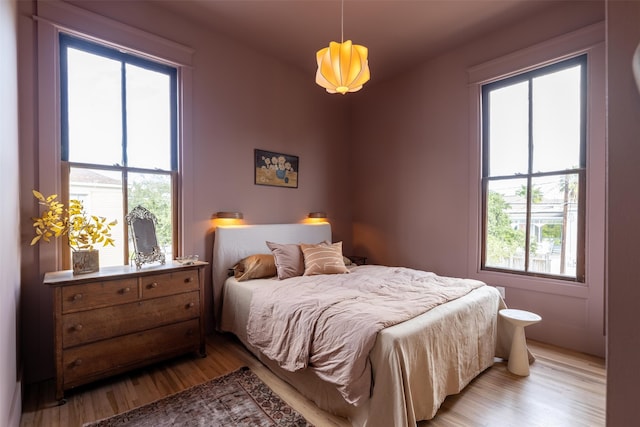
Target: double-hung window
119,138
534,171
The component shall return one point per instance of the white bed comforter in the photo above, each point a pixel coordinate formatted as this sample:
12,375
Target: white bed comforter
330,323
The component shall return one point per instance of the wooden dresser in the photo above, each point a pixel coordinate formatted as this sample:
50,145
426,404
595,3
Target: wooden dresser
121,318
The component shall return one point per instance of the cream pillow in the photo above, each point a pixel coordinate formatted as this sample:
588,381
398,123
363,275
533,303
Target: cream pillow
323,259
255,267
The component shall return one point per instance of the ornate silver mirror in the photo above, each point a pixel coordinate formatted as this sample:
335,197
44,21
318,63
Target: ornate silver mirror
142,225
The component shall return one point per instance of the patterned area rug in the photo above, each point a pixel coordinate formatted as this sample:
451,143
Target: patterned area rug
237,399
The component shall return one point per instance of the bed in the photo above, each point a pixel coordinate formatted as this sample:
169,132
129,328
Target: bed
414,364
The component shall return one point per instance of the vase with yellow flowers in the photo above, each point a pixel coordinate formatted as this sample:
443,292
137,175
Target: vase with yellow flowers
83,231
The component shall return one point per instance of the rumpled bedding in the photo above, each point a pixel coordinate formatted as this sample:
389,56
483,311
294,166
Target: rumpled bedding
330,322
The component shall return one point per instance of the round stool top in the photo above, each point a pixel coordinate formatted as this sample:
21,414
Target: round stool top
520,316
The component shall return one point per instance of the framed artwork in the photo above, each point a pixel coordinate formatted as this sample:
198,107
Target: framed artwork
277,169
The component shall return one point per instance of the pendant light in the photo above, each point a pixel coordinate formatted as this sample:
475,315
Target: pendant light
342,67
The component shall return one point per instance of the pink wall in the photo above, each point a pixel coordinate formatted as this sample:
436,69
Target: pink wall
242,99
623,346
10,398
412,136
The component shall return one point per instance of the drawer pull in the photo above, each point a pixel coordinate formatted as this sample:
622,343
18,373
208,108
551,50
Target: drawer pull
191,305
153,285
78,327
189,332
125,290
188,280
77,297
76,363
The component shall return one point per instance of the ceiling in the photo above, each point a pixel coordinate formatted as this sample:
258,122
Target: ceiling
398,33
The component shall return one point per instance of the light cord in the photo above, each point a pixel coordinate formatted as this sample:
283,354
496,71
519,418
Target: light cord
342,24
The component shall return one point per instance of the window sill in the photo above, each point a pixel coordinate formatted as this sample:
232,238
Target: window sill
534,284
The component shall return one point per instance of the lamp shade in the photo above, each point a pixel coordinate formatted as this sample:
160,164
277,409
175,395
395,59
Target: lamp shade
228,215
342,67
317,214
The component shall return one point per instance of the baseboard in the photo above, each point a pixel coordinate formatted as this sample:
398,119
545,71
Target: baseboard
15,411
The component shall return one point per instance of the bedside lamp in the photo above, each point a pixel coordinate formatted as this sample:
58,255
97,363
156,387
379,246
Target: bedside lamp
316,217
228,215
228,218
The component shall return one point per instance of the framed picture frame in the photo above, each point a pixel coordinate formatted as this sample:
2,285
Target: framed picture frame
275,169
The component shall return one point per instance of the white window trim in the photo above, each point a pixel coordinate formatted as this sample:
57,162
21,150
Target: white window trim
54,17
589,40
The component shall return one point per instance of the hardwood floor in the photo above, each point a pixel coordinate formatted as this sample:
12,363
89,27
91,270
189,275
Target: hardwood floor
564,389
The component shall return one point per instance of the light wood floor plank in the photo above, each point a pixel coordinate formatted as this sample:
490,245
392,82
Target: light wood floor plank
565,388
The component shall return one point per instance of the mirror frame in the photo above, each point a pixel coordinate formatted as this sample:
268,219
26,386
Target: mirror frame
152,252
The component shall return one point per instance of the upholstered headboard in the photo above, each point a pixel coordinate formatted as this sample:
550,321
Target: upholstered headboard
232,243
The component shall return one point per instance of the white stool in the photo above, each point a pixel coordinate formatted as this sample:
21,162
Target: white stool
519,356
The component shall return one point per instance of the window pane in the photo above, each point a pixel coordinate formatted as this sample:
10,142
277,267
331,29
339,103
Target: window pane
506,224
509,130
153,192
120,117
556,121
148,119
101,194
94,105
554,225
535,134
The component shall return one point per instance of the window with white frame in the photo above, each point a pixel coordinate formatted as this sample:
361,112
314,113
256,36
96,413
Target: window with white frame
119,138
534,172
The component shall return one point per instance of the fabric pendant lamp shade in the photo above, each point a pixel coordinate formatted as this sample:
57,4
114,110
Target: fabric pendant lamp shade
342,67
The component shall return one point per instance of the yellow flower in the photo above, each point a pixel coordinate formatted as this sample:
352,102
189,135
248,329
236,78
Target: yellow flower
82,231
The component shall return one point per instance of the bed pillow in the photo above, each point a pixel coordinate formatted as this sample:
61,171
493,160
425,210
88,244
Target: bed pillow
323,259
288,259
255,267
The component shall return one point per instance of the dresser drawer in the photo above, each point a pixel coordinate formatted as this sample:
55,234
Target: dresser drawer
169,284
82,363
98,294
93,325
